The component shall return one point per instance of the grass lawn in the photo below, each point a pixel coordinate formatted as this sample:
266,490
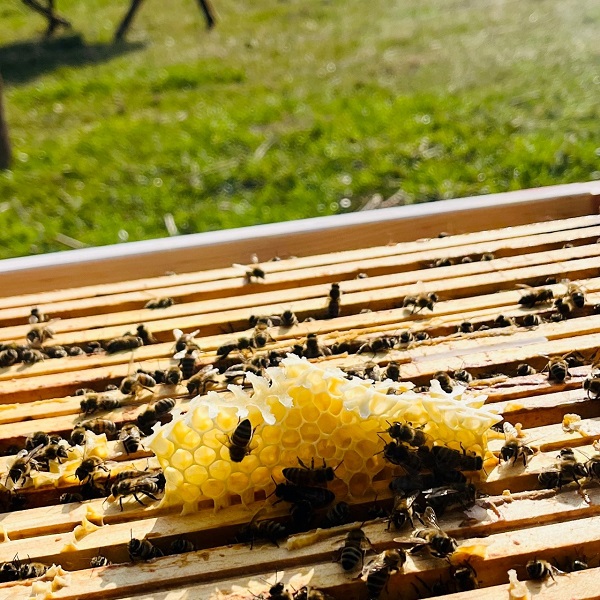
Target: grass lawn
287,109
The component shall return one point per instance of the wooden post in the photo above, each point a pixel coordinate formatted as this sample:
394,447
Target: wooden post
5,154
209,13
126,22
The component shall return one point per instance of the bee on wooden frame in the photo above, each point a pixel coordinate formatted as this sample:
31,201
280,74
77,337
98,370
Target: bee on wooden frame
514,448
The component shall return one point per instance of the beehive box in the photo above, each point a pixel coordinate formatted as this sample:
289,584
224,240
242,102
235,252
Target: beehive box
99,294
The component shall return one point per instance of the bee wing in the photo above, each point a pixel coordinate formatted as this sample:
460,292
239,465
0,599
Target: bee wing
177,333
429,518
510,432
180,355
410,541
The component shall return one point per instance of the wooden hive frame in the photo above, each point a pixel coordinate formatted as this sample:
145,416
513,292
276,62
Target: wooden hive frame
526,232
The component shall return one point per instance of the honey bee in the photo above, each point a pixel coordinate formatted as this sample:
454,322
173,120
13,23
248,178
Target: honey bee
53,450
38,334
524,369
513,447
420,302
288,319
338,514
399,454
406,337
402,510
9,357
184,340
377,573
99,426
463,376
570,468
199,382
317,497
146,336
550,478
77,437
503,321
131,438
352,552
142,550
421,336
181,546
541,569
531,320
240,440
99,561
558,369
445,381
88,467
447,458
309,476
254,274
487,256
21,467
173,376
75,351
576,295
392,371
313,349
226,349
125,342
382,343
260,335
37,316
159,303
302,515
265,530
153,413
464,578
94,402
531,299
133,384
458,493
439,543
442,262
591,384
32,356
187,361
333,306
55,351
405,432
39,438
32,569
465,327
148,486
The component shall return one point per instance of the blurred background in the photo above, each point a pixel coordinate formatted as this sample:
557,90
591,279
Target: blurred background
285,109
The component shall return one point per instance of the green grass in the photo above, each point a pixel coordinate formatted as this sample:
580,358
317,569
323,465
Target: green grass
288,109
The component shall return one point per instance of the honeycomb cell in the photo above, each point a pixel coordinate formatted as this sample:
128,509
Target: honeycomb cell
181,459
291,438
200,421
294,418
326,449
348,417
336,407
162,447
366,448
174,477
269,456
261,477
214,439
179,431
310,413
327,423
271,434
204,456
220,469
353,460
322,402
227,420
373,465
189,492
310,432
249,463
238,482
191,441
195,475
342,438
212,488
359,485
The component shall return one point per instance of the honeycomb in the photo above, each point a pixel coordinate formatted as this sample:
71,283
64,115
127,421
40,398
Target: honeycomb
305,410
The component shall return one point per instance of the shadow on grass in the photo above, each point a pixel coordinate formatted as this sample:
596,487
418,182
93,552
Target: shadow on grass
25,60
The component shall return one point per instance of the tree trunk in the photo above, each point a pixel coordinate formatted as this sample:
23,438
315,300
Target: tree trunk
4,143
